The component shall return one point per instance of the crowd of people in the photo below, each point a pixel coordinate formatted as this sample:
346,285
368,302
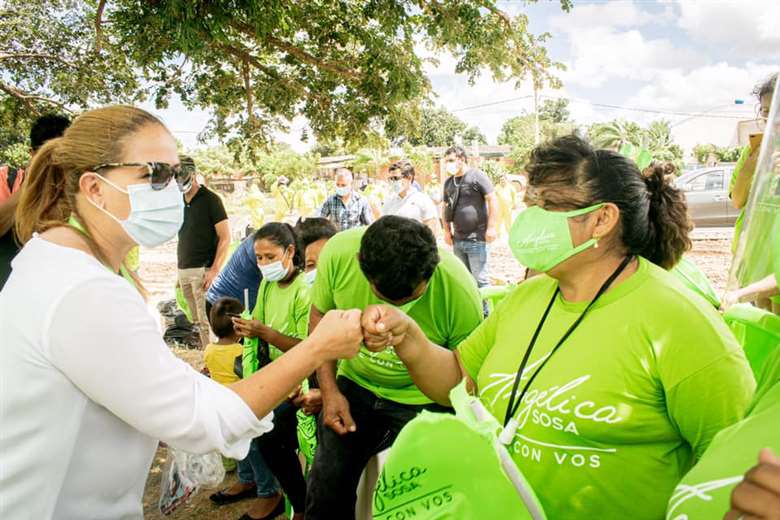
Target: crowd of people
621,391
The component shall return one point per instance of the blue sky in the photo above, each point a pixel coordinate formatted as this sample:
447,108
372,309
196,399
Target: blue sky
670,56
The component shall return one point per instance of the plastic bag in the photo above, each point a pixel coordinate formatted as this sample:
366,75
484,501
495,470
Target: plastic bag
183,474
453,466
754,260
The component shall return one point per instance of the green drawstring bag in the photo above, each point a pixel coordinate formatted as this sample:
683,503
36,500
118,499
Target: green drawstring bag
454,467
307,431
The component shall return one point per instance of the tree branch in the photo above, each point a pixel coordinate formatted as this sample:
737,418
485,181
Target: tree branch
98,24
250,103
341,69
28,99
23,55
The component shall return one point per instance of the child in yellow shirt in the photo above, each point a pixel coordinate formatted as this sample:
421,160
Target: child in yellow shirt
220,357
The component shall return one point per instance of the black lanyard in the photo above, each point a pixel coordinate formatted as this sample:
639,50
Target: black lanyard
515,405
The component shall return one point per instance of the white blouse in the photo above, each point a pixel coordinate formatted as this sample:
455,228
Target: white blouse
88,387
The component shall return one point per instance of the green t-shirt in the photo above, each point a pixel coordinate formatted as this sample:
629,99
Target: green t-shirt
447,313
284,309
704,492
694,279
614,419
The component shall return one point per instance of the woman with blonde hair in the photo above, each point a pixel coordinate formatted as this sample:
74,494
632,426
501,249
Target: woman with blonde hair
89,387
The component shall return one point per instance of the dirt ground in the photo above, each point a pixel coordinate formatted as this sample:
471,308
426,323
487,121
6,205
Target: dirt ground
711,252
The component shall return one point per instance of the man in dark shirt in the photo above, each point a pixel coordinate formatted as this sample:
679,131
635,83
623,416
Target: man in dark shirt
204,239
469,213
46,127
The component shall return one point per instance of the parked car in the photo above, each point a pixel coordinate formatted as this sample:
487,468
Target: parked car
707,191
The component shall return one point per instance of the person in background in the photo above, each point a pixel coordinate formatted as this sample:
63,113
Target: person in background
255,479
406,201
742,178
507,198
284,203
95,380
470,213
44,128
239,274
369,400
314,234
280,320
346,208
601,402
204,240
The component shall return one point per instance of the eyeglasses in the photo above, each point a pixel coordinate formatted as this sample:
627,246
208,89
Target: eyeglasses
160,173
395,178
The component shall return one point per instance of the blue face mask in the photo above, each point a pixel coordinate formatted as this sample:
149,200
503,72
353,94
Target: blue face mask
342,191
155,215
275,271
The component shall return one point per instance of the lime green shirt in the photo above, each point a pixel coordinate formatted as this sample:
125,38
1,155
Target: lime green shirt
615,418
704,492
447,313
284,309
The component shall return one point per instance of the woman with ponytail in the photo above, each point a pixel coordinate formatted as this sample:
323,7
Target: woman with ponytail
280,320
88,385
609,376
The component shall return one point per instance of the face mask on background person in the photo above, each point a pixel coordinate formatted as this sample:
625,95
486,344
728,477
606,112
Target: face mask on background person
396,187
310,276
275,271
452,168
541,239
342,191
155,215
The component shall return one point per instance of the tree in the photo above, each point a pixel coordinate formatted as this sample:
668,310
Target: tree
439,127
370,160
615,134
343,65
519,133
555,110
53,59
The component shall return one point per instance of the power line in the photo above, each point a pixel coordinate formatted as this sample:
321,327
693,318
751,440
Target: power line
613,107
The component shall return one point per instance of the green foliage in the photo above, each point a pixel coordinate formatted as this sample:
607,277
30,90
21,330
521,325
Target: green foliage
370,160
656,138
704,152
494,170
284,161
519,133
555,110
346,66
16,155
422,160
439,127
50,60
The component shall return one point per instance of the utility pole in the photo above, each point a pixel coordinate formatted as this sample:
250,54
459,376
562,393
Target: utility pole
537,131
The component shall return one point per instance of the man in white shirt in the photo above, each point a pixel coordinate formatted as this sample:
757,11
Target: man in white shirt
407,201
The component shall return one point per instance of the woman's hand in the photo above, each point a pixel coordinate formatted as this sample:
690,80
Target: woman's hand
758,495
250,328
384,326
338,335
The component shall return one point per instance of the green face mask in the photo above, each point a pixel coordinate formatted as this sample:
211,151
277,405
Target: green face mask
541,239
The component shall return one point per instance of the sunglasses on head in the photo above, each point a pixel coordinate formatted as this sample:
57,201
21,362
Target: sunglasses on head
160,173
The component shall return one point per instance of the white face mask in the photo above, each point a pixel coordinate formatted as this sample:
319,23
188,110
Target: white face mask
452,168
310,276
275,271
396,187
155,215
342,191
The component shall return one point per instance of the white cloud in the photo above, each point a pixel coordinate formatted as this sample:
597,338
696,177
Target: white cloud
607,15
748,27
